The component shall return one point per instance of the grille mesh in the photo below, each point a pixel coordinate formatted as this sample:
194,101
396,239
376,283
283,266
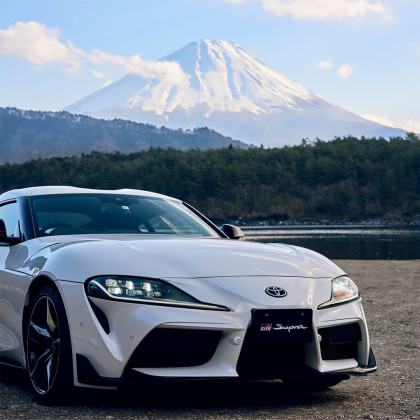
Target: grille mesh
340,342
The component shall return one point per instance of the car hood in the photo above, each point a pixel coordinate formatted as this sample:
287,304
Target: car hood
76,258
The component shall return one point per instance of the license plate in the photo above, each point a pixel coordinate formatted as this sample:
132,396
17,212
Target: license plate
278,326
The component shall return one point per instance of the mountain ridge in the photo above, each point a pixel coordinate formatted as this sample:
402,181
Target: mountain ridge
230,91
26,135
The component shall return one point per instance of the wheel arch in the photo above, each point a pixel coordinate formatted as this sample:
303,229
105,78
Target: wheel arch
58,343
37,284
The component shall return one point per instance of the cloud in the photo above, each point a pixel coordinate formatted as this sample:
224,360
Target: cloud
102,76
379,120
35,42
98,74
345,71
40,45
107,83
322,9
169,71
323,65
412,126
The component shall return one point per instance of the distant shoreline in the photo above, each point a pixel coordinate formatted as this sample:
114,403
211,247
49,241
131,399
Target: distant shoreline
412,221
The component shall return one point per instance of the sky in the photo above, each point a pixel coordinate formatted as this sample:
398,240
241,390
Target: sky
363,55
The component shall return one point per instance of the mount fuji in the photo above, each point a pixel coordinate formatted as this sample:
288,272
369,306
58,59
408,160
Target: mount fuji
229,90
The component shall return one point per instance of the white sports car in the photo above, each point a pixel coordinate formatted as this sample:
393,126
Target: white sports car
106,288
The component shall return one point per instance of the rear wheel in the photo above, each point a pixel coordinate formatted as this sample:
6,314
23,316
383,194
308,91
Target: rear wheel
48,348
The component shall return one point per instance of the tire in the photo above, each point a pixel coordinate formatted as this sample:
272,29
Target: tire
48,348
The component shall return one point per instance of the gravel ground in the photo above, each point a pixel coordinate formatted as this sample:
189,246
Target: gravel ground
390,291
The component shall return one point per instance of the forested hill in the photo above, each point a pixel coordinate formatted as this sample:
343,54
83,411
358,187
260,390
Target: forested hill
26,135
345,178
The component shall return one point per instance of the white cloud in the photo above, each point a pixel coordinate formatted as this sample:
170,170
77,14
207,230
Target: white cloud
379,120
323,9
323,65
98,74
35,42
102,76
107,83
345,71
170,71
40,45
412,126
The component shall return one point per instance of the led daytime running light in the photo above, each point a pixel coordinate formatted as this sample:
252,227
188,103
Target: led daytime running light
140,290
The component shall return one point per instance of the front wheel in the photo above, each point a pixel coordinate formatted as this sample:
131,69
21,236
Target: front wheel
48,348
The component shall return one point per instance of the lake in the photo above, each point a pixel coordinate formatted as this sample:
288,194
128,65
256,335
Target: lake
345,242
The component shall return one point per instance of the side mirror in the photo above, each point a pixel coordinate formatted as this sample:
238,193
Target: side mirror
3,235
233,232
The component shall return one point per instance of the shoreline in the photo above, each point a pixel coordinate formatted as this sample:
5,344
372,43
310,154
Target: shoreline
267,222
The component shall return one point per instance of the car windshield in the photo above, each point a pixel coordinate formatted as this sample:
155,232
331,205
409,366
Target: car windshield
72,214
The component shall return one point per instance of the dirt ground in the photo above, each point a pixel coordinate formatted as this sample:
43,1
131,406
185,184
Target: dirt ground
391,300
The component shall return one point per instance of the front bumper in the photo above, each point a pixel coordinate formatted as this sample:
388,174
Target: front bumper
362,369
87,375
106,359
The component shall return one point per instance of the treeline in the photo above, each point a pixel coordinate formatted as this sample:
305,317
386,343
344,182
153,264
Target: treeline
346,178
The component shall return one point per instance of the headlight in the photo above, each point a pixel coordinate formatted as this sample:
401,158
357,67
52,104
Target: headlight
342,290
140,290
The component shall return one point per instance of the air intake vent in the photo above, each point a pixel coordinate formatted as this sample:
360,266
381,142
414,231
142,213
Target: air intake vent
340,342
169,347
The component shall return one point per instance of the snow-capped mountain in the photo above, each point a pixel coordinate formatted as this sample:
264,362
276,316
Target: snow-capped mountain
223,87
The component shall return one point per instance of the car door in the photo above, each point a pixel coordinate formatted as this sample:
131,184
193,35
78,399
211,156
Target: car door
10,216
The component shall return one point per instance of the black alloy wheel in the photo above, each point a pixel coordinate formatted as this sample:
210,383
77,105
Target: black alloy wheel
48,348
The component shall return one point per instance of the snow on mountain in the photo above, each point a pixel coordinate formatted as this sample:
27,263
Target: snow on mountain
230,91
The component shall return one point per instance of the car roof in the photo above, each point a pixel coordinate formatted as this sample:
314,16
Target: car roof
48,190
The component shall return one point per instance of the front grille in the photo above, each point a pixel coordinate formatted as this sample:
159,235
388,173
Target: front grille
170,347
340,342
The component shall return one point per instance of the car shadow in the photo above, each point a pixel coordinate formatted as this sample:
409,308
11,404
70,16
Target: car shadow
215,394
13,376
207,394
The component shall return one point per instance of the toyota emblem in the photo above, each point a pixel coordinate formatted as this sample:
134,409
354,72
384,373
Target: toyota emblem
275,291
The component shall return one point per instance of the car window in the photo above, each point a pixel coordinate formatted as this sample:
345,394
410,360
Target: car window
74,219
171,222
9,214
108,213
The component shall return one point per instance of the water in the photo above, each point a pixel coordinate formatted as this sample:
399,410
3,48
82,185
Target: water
345,242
